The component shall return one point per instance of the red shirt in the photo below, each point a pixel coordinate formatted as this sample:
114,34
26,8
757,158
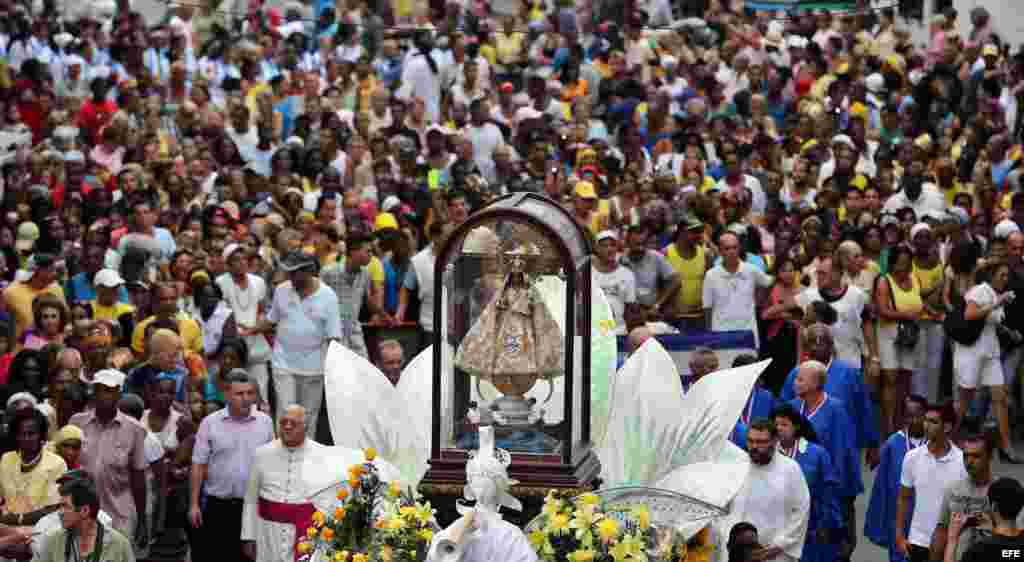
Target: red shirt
93,116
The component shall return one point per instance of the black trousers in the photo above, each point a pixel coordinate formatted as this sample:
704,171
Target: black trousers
918,553
220,537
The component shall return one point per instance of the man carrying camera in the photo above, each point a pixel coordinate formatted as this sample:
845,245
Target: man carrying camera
83,536
968,500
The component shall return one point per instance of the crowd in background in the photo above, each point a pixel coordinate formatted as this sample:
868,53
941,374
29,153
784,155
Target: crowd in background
190,210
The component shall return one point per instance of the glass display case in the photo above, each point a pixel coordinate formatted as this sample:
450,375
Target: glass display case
512,344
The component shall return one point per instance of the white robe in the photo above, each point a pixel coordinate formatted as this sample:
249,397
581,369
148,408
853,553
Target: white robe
276,475
495,540
776,500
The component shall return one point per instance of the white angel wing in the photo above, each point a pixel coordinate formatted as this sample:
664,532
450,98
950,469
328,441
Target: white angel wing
710,411
714,482
643,422
654,429
363,407
415,392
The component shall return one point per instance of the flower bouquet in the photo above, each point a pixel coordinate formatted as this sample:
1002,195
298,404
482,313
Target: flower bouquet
374,521
587,528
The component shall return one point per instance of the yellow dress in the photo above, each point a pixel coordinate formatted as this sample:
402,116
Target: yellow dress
25,492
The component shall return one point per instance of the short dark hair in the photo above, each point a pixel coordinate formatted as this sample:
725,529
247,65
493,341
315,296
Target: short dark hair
919,400
83,494
238,376
132,405
744,359
763,424
986,439
737,529
28,414
356,240
1007,497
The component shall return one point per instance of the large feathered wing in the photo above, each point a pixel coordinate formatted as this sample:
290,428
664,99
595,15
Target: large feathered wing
363,408
704,464
415,393
709,414
644,419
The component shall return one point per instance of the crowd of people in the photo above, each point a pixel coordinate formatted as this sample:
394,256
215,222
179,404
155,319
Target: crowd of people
190,211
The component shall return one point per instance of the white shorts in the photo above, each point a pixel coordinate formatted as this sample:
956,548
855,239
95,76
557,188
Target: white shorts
894,358
971,369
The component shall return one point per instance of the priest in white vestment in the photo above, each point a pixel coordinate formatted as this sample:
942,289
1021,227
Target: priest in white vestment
277,508
774,498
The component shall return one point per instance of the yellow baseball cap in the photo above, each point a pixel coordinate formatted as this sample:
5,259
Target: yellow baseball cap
585,189
385,221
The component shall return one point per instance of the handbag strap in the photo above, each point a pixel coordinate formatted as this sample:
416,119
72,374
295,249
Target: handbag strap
892,291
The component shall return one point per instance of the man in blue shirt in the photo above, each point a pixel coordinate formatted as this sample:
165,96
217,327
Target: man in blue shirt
81,287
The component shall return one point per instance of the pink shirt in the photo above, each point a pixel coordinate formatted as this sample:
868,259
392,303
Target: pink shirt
110,453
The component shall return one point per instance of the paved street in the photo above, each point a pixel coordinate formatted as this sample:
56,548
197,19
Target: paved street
867,552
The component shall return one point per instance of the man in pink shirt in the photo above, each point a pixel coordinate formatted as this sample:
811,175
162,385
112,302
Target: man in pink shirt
114,453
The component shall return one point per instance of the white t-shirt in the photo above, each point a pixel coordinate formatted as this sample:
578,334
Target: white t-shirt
929,477
987,345
931,199
620,288
730,296
848,330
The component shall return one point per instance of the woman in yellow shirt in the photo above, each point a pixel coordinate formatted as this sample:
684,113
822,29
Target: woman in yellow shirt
898,298
28,475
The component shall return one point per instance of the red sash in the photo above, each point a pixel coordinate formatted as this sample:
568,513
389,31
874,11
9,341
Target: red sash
298,514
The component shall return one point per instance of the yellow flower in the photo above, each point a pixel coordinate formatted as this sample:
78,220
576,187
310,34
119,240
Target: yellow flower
589,499
394,489
327,534
552,506
360,558
341,556
608,530
424,513
537,539
311,533
305,548
559,524
407,511
426,535
319,519
371,454
619,552
582,556
354,483
343,494
643,517
339,513
395,524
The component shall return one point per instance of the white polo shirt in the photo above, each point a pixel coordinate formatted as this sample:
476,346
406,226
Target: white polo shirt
731,296
929,477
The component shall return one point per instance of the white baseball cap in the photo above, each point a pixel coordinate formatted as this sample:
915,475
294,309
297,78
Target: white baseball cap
111,378
108,278
606,234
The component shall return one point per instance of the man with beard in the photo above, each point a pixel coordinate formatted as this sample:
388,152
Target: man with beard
774,497
878,522
967,499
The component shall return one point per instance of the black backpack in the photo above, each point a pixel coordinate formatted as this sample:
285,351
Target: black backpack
959,328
